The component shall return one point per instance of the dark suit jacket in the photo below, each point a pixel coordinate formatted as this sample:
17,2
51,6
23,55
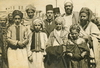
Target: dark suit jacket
49,28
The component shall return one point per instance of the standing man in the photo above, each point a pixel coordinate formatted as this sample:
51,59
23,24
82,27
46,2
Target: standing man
17,41
49,22
3,43
56,12
70,16
10,20
30,10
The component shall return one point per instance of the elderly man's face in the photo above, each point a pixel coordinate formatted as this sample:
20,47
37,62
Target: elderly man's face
17,19
30,13
49,14
68,8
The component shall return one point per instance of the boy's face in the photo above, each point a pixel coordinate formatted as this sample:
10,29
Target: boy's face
17,19
58,25
74,34
37,27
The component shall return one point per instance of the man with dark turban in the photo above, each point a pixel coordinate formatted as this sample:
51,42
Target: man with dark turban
17,41
89,31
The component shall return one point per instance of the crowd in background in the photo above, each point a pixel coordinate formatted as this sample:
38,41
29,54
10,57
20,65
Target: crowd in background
68,40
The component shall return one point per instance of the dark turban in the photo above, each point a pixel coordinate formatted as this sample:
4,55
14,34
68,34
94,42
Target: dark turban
87,11
17,12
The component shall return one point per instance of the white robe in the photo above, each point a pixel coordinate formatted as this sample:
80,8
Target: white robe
94,32
17,58
37,56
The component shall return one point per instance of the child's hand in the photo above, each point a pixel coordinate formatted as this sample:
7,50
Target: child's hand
30,58
83,54
70,54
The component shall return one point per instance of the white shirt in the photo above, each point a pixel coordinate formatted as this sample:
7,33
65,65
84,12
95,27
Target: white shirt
68,21
55,41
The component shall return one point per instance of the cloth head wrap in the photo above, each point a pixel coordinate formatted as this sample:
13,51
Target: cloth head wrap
17,12
87,11
32,7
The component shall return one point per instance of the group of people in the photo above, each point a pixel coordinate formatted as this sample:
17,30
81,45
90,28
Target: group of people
69,40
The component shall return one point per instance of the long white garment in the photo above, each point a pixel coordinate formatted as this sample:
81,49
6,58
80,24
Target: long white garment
94,32
17,58
37,56
68,21
55,43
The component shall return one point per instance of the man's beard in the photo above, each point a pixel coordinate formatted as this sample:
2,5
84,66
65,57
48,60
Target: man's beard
68,11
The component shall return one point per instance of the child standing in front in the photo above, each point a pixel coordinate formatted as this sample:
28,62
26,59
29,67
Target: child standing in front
37,44
77,51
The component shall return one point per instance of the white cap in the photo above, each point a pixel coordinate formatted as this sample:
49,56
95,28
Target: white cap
66,1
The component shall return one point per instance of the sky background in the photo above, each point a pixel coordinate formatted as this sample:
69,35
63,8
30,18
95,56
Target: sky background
94,5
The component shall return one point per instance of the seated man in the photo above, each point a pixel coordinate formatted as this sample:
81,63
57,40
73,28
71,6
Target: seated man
54,48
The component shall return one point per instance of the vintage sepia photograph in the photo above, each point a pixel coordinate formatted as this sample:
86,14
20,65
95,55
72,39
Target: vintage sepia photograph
49,33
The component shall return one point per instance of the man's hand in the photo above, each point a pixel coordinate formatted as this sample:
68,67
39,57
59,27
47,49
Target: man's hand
70,54
20,44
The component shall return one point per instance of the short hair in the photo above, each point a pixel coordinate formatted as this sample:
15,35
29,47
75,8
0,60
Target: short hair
75,27
17,12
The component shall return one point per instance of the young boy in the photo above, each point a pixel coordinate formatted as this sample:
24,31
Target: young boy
37,44
77,51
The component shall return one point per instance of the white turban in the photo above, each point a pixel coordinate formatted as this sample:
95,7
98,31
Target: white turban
30,7
66,1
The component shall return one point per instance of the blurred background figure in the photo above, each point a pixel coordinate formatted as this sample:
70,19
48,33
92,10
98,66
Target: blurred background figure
56,12
3,43
10,20
30,11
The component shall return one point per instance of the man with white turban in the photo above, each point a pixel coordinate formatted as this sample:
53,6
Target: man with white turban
70,16
30,10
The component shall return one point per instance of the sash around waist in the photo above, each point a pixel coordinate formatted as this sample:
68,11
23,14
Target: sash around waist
15,47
